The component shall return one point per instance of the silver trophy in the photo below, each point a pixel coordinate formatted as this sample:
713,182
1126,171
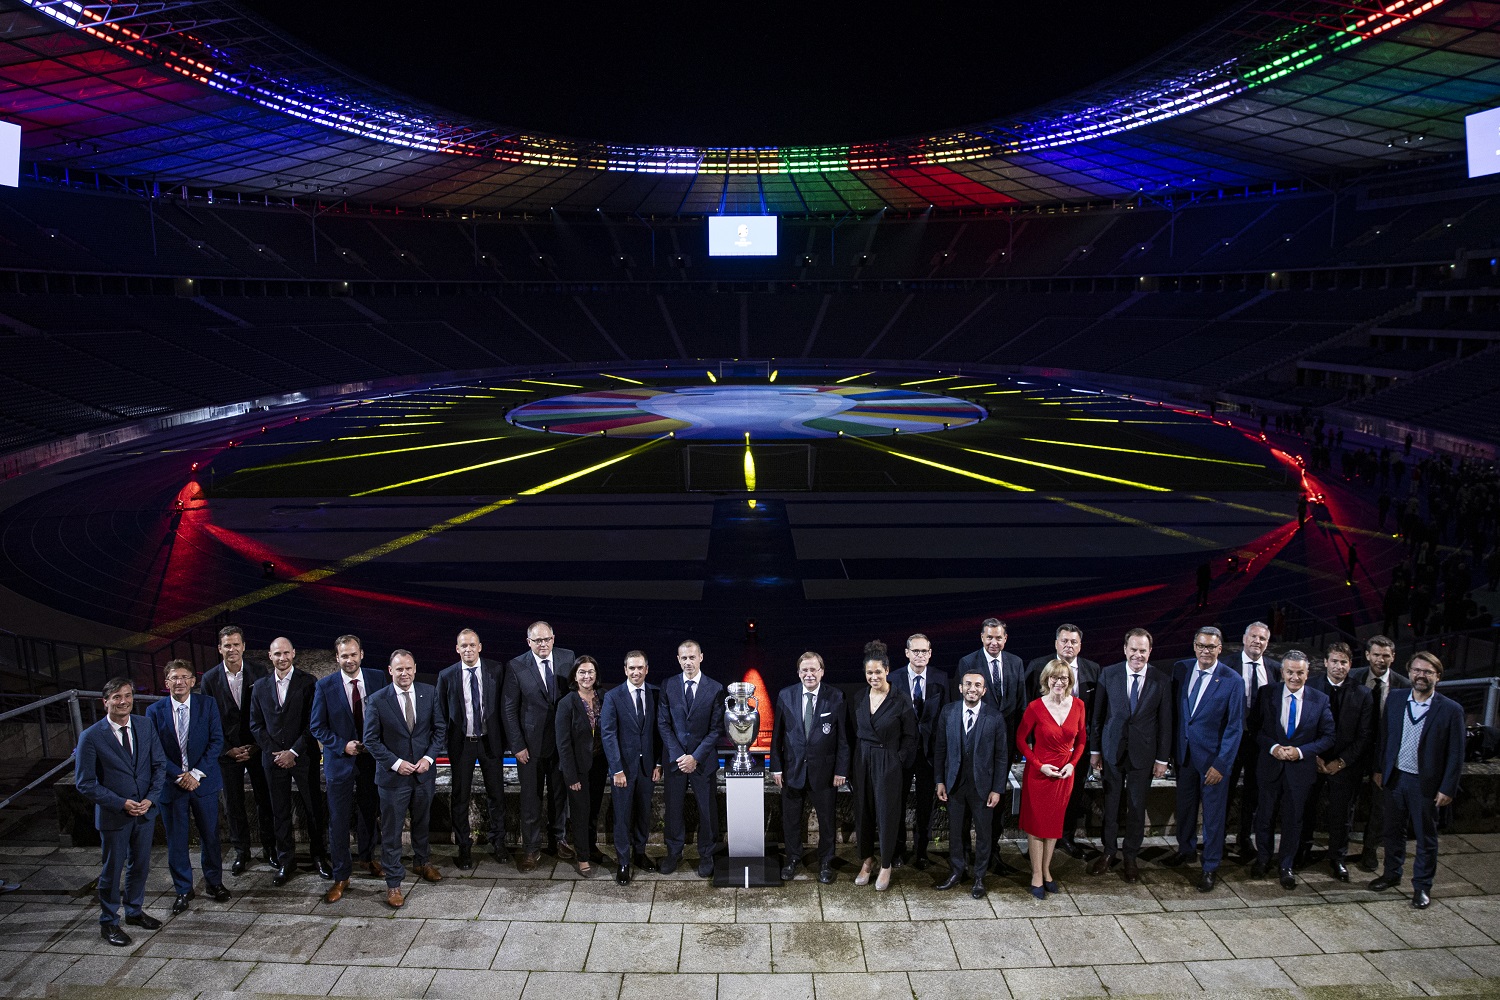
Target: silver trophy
742,720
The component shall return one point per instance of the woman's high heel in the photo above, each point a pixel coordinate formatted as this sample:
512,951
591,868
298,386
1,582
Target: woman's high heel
884,881
1040,892
1051,886
863,878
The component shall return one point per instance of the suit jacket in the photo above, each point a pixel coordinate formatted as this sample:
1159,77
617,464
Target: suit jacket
1210,736
810,761
1362,677
530,713
450,693
332,721
205,744
234,720
1252,706
936,692
1440,753
107,777
287,727
1088,680
1132,741
631,743
1353,723
1016,698
575,738
388,739
1313,735
696,732
991,759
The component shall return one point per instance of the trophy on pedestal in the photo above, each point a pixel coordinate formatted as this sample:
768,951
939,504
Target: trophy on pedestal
742,720
745,797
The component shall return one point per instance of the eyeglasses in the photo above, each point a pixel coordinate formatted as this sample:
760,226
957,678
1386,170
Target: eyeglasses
1205,646
919,652
540,642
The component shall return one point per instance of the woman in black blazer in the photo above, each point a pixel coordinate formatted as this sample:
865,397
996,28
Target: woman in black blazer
580,757
885,743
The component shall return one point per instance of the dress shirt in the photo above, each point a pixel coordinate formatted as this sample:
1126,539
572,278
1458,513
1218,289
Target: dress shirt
912,685
349,684
401,698
120,735
1286,708
1201,678
1076,679
996,678
1132,677
472,712
185,733
282,683
1412,724
1259,676
236,681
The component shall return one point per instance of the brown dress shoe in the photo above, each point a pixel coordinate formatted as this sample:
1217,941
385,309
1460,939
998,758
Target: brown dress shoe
1101,864
1132,871
394,899
565,851
374,868
336,891
429,872
526,861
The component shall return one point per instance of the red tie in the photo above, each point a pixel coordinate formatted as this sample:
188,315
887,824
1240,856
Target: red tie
358,705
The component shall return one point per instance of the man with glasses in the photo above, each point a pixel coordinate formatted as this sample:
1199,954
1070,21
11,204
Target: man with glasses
1381,680
529,704
1210,701
927,691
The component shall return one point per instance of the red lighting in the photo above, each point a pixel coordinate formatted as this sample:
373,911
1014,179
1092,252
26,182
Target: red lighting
194,468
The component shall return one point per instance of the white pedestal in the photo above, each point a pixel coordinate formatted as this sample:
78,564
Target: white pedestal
745,802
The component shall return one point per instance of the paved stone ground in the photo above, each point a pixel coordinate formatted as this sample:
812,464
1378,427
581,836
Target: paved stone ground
497,935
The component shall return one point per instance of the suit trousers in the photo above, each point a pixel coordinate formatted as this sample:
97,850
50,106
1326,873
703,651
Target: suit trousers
127,849
347,795
1130,784
877,802
965,806
794,803
410,796
919,792
584,806
307,799
465,752
1374,820
542,781
1281,804
233,772
1405,804
705,793
632,806
1334,793
1213,800
1244,787
176,816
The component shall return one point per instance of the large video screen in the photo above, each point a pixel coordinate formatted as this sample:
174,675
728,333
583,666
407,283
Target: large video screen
10,154
742,235
1483,134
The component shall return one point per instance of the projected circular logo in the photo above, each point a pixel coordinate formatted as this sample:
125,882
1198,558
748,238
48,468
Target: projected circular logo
766,412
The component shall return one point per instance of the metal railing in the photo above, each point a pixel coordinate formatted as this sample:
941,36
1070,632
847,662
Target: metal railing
40,666
72,705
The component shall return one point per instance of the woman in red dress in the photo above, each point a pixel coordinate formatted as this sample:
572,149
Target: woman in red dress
1051,737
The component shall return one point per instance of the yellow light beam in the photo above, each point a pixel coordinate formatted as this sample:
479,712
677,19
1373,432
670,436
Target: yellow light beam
982,385
373,454
593,468
367,437
774,374
939,465
851,378
414,423
622,378
925,381
749,466
538,381
711,377
1005,392
454,472
1063,468
1134,522
503,388
1137,451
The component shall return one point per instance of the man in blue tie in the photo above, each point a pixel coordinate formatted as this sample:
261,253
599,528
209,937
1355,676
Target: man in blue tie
192,738
627,727
1210,713
1296,726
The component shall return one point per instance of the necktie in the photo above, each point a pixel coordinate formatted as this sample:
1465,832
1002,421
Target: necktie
182,731
357,706
547,678
1192,704
640,706
998,677
807,715
234,687
1135,691
689,701
411,712
918,700
1254,679
1291,718
476,726
968,719
125,741
1380,694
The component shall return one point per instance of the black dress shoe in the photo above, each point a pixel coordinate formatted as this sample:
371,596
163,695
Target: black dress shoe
325,867
284,874
1070,848
789,870
115,936
954,877
1369,861
1178,860
622,876
1420,900
978,891
1132,871
921,862
1258,869
1337,870
1000,867
706,867
644,863
217,893
1207,881
899,861
240,864
269,857
1384,882
465,859
180,904
144,921
1101,864
825,875
668,864
1288,880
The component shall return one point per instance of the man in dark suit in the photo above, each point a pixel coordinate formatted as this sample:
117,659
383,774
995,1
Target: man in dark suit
338,724
1066,644
809,761
973,764
119,766
1210,711
1420,761
187,726
1381,680
632,748
1130,730
529,707
1004,691
404,732
691,721
1343,767
280,717
469,695
1257,670
1296,725
926,690
229,684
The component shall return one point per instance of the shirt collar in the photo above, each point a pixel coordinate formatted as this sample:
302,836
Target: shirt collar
633,688
814,692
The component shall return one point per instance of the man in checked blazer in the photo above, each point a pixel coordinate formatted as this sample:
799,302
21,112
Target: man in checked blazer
691,720
809,761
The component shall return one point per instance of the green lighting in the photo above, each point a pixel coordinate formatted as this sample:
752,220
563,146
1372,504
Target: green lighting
1137,451
373,454
593,468
1075,472
939,465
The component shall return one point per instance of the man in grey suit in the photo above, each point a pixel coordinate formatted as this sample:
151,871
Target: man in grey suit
120,768
627,726
529,705
1381,678
972,761
1004,691
926,690
809,761
404,733
691,721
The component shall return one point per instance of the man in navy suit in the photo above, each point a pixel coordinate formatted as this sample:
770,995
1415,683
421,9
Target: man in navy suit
1067,643
469,694
1419,764
691,719
973,764
229,684
1380,680
338,724
280,720
192,738
627,725
1296,726
1004,691
1257,670
529,704
926,690
121,769
1210,700
1130,730
1343,767
404,732
809,761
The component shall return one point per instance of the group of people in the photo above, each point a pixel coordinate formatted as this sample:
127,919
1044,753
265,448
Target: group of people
912,738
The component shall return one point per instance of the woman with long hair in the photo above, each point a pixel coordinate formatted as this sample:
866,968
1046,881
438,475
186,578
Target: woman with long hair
580,755
885,742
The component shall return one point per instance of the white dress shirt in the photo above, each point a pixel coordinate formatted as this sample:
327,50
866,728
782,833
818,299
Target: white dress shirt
401,698
1245,672
187,732
1286,707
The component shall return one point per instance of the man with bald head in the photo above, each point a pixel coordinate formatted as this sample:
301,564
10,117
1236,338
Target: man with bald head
468,698
280,720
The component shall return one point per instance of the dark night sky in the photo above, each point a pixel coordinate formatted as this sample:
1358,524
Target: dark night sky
741,74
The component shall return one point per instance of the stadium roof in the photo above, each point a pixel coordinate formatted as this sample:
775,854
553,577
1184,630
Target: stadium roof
198,92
